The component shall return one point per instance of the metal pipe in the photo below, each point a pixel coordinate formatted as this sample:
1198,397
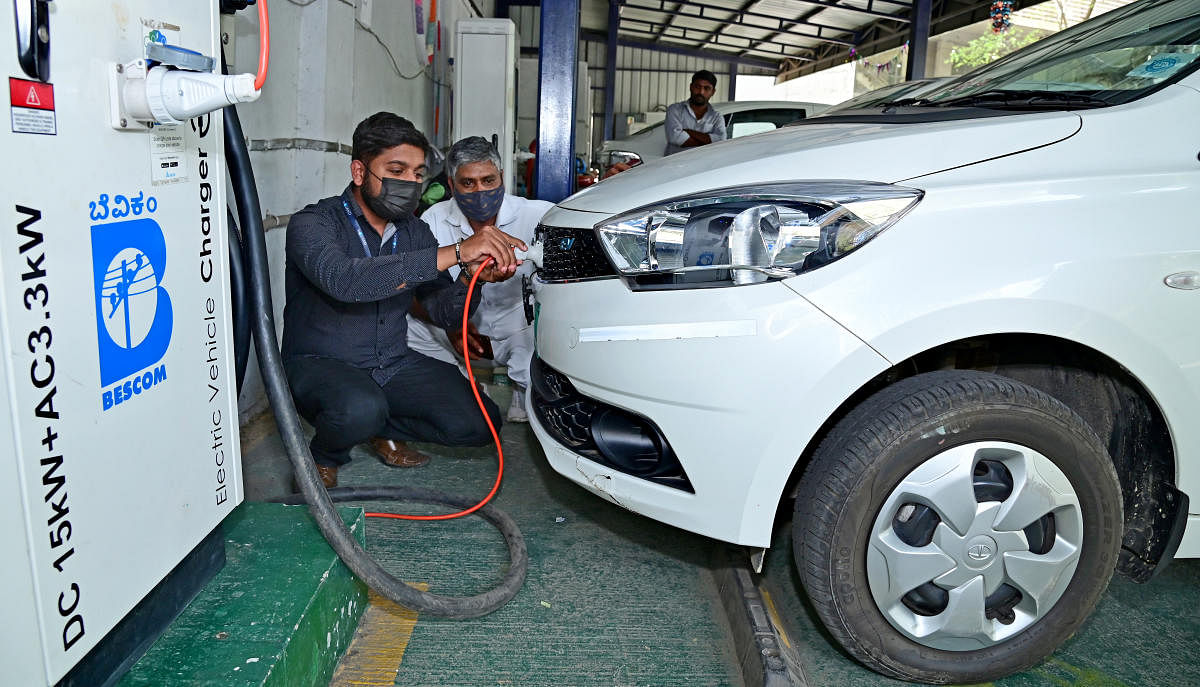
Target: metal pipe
918,39
716,56
610,68
559,45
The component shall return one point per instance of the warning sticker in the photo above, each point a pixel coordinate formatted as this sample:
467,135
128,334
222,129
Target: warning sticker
32,104
167,156
33,94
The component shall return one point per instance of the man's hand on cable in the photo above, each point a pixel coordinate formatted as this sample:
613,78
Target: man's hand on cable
489,241
480,345
489,274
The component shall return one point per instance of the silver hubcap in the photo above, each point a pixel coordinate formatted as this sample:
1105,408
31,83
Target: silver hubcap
975,545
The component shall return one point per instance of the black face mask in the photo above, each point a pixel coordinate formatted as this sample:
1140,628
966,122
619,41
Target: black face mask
396,198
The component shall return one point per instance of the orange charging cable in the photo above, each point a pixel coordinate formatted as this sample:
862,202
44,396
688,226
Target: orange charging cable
483,409
264,44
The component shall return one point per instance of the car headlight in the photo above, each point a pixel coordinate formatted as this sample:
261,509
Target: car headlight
746,235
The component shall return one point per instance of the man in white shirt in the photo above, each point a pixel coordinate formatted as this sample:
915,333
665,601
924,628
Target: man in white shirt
694,122
498,329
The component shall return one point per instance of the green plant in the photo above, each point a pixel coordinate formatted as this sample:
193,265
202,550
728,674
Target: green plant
990,47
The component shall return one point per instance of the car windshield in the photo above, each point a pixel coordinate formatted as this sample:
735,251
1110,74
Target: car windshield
1117,57
879,95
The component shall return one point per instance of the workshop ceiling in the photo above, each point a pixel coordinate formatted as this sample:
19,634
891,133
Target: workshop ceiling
798,36
775,29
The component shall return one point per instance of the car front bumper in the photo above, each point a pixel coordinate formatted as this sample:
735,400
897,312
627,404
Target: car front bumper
738,380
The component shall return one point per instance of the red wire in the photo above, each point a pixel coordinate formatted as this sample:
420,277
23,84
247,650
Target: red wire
264,44
487,418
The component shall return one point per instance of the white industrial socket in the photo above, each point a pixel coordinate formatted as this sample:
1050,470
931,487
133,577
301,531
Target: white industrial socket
118,117
141,96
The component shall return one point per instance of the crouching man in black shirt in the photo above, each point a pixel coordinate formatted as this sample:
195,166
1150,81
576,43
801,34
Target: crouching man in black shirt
355,262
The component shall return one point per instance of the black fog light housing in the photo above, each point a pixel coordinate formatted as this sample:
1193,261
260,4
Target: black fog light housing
629,442
608,435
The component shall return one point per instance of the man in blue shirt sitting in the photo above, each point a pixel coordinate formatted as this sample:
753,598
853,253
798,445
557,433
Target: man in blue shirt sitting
355,262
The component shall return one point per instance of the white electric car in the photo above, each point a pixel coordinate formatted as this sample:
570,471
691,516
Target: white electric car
962,335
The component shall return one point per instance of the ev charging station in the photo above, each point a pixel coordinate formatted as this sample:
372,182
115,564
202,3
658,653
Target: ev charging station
120,401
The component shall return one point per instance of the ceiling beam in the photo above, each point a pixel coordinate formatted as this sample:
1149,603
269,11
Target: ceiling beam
736,13
852,41
778,55
733,20
824,4
721,40
702,11
668,24
714,55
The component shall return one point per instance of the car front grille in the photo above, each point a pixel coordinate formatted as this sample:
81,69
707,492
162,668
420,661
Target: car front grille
572,254
562,410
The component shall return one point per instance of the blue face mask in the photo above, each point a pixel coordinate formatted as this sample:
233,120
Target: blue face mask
481,205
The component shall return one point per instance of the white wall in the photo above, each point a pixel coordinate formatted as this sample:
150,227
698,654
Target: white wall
327,72
829,86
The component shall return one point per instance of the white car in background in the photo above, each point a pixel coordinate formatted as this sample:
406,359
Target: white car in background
741,119
963,338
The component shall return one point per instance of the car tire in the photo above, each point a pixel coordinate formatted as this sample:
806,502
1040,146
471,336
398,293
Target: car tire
933,478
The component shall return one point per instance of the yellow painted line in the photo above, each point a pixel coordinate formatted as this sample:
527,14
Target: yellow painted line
1054,668
374,655
774,612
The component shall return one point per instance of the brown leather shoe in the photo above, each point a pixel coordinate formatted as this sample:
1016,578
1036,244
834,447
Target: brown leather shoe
398,454
328,476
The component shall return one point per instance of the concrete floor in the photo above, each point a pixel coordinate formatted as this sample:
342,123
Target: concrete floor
613,598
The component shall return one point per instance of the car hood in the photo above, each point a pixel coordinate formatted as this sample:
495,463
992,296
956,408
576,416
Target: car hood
868,151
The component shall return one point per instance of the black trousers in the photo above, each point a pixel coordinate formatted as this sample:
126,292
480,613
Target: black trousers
427,400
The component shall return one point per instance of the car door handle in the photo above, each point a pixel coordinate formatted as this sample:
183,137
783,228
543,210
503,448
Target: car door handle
33,37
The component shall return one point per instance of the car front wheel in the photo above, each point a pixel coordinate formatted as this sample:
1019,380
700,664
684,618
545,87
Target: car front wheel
957,527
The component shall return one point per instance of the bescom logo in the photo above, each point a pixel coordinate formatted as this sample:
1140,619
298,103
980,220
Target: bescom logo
134,318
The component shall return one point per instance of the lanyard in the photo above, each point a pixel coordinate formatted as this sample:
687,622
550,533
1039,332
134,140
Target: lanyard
363,239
